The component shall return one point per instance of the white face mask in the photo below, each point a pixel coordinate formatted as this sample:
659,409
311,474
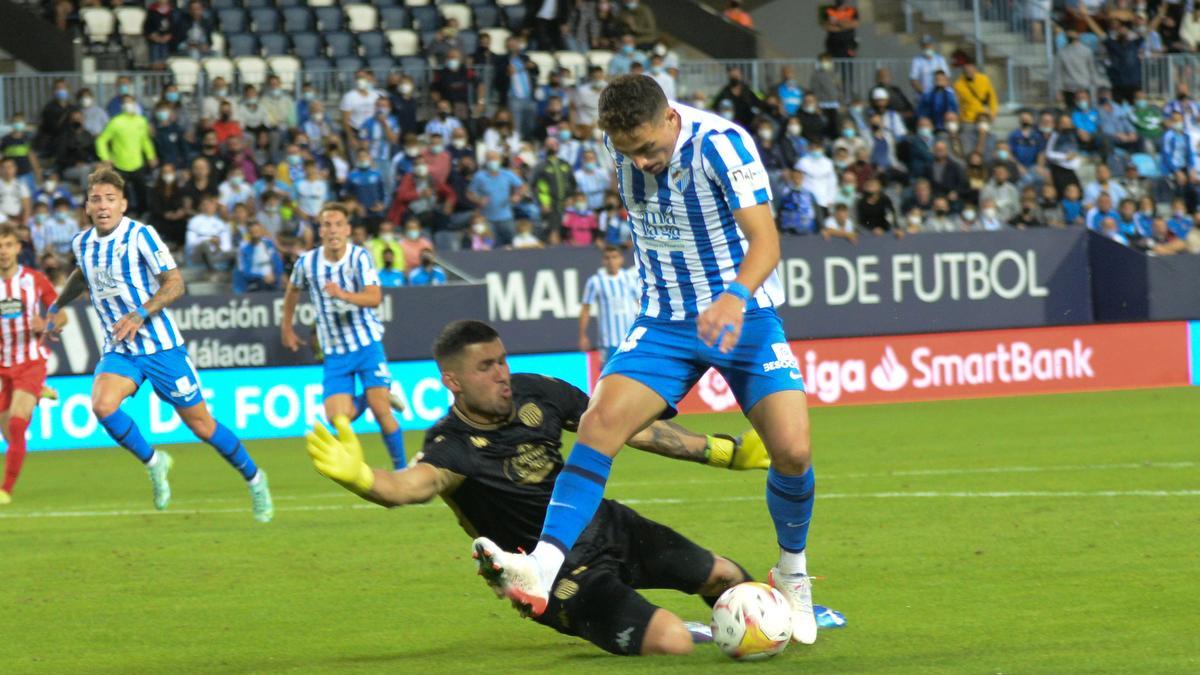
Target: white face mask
952,127
793,129
479,228
458,143
129,108
983,127
989,213
766,134
421,170
968,214
363,84
914,220
406,88
87,101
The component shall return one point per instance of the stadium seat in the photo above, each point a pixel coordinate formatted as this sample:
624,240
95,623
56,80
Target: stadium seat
286,67
130,20
417,68
233,20
98,23
218,44
428,37
321,3
425,18
242,44
514,16
306,46
480,3
600,57
469,40
254,4
251,70
347,63
458,11
361,18
545,63
274,44
393,18
283,4
330,18
508,3
265,19
217,66
574,62
218,5
404,42
381,64
340,44
297,20
487,16
373,44
499,37
185,71
415,3
317,64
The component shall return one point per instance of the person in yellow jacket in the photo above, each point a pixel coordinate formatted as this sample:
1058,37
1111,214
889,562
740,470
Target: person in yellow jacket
128,143
975,93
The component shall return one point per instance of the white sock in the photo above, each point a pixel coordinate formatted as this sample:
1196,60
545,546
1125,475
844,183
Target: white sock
792,563
154,459
549,559
256,480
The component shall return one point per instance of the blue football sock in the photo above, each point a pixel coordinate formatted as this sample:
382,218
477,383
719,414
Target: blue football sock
576,496
233,451
360,406
790,502
121,428
395,447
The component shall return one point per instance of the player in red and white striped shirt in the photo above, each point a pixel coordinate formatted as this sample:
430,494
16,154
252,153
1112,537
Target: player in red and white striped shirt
24,296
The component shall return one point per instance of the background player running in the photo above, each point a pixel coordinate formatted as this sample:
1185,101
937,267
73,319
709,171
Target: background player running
494,459
614,290
345,290
707,248
24,295
131,278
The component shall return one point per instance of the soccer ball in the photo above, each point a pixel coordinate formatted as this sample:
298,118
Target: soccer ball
752,621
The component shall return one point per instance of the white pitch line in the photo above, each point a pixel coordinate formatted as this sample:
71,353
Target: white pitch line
632,502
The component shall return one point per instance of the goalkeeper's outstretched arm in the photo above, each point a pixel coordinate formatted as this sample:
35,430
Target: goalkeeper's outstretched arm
340,459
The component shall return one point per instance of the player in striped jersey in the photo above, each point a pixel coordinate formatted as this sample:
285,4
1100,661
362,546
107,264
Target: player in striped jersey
24,295
131,278
614,290
344,288
707,247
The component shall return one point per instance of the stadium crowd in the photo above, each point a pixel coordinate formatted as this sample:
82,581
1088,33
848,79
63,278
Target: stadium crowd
232,181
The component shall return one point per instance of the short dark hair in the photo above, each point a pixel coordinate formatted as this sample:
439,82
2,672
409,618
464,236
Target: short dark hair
458,335
609,248
106,175
630,101
339,207
8,230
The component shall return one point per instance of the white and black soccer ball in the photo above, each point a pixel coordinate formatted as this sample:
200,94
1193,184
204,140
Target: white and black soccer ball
752,621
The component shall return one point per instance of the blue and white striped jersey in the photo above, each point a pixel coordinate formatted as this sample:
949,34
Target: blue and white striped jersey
616,298
688,245
121,270
341,326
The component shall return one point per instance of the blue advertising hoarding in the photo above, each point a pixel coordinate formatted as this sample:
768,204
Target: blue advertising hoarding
262,402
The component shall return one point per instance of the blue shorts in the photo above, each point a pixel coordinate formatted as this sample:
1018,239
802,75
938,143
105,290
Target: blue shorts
368,363
170,372
669,357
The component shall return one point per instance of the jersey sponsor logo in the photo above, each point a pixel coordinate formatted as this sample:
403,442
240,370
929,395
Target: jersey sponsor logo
748,178
624,638
784,358
185,388
479,441
530,415
11,308
532,464
681,178
163,257
889,375
104,283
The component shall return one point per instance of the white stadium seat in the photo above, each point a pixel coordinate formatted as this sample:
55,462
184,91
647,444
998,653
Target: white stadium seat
499,36
98,23
130,20
186,72
321,3
600,57
361,18
218,44
458,12
286,67
545,63
217,66
508,3
251,70
404,42
415,3
574,62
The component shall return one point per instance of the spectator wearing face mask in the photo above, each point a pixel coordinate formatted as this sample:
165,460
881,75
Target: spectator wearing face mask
553,184
796,205
18,145
616,229
819,175
495,189
585,101
390,276
128,143
259,265
746,103
975,92
479,236
874,210
579,223
916,150
421,196
427,272
414,242
639,20
358,104
233,191
826,86
1074,69
925,65
592,180
54,117
937,101
366,185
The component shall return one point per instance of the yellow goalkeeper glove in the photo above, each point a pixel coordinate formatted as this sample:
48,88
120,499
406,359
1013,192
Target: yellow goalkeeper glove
340,458
740,454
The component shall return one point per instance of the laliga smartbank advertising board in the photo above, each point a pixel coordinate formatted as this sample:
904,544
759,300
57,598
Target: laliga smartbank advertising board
975,364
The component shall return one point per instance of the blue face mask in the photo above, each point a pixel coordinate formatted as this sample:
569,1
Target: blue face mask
627,49
123,89
62,94
848,133
590,166
564,134
172,96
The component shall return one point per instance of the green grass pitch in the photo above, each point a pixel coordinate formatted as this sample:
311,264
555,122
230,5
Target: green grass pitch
1040,534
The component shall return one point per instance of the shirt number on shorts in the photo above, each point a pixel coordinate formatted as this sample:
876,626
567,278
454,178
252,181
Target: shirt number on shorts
631,340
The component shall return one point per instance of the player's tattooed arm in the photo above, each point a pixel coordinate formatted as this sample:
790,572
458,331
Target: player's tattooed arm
170,289
75,286
671,440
